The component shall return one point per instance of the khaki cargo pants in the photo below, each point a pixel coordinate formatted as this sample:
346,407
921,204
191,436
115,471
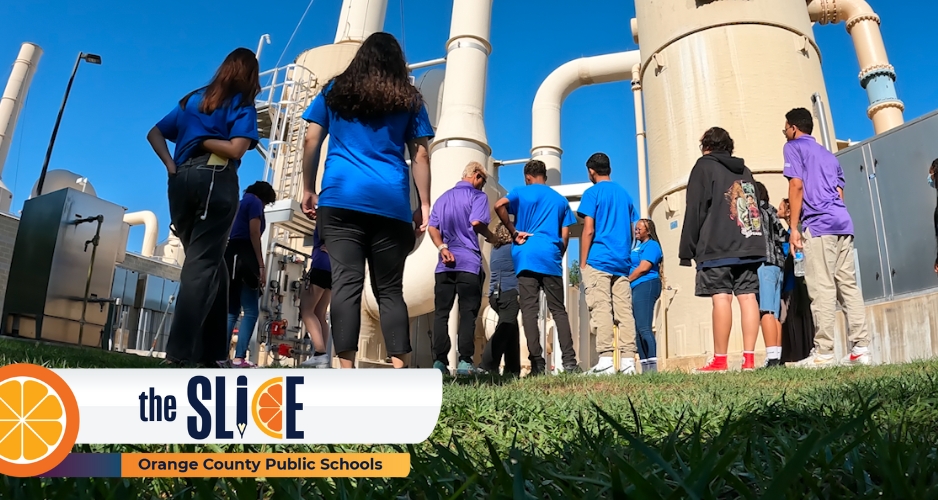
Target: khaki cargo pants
609,299
830,274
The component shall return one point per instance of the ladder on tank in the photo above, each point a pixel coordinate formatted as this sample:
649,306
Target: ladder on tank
280,106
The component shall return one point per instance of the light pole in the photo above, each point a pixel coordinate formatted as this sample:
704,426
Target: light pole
90,58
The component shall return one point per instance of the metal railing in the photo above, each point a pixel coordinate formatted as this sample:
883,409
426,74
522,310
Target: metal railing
280,107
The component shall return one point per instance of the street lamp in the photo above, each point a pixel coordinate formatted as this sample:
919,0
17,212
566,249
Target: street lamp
89,58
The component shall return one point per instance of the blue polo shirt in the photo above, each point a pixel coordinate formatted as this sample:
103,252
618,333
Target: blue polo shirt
541,211
365,168
188,127
611,207
251,207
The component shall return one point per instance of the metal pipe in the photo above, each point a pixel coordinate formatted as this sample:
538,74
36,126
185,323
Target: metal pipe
877,76
260,45
15,94
519,161
427,64
94,251
822,121
159,329
151,229
640,141
359,19
545,113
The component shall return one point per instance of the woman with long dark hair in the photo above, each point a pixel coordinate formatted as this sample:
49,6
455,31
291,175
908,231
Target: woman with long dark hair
245,260
212,127
372,113
503,299
645,280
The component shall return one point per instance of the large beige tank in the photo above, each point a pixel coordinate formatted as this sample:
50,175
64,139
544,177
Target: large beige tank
737,65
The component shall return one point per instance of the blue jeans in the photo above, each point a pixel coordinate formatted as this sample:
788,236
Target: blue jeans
770,289
644,297
250,299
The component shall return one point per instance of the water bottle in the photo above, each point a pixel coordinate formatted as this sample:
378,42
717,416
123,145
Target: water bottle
799,263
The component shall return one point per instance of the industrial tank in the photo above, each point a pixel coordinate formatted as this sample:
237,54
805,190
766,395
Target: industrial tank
740,65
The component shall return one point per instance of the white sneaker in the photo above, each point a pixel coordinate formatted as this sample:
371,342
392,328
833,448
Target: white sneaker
321,361
627,366
856,359
603,367
815,360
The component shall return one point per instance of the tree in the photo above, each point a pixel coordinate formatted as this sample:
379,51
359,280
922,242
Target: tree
574,277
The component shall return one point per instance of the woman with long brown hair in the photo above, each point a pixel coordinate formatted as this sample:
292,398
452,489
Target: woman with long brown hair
645,280
372,113
212,127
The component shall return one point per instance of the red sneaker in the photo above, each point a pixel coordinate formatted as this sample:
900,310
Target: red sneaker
749,361
714,366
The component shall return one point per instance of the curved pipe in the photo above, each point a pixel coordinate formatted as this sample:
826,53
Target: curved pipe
877,76
150,227
545,114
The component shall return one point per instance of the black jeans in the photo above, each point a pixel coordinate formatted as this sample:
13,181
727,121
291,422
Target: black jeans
200,323
529,284
469,288
355,237
504,341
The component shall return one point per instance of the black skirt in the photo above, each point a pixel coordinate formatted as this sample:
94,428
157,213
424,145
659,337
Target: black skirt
243,267
798,327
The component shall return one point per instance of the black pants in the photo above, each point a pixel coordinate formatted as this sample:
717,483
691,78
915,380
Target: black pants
468,286
504,341
200,323
529,284
356,237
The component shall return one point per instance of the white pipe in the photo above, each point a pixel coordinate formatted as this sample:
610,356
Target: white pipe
260,45
15,94
150,227
359,19
545,114
640,141
427,64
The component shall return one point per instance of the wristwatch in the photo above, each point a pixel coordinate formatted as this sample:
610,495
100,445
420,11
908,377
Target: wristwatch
441,247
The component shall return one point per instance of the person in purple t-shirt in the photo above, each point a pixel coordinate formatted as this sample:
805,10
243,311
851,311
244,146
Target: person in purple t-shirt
458,217
823,229
315,300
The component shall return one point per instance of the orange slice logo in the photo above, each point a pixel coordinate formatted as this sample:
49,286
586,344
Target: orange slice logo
38,420
267,408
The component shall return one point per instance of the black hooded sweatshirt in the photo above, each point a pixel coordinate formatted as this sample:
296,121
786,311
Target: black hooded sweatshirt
722,221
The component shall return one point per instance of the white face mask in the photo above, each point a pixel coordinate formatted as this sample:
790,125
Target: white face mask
931,180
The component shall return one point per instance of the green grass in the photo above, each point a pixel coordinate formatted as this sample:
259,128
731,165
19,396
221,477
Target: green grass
867,432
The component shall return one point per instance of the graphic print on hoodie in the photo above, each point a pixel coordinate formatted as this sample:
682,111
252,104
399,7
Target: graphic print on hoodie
722,221
744,209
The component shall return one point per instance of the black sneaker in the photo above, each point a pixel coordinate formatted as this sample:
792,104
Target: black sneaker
773,363
574,369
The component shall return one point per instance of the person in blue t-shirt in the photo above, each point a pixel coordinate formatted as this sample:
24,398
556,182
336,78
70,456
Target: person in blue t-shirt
645,278
245,260
608,214
212,127
541,234
372,113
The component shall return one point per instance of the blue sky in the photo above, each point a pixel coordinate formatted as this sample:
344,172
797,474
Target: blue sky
155,52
